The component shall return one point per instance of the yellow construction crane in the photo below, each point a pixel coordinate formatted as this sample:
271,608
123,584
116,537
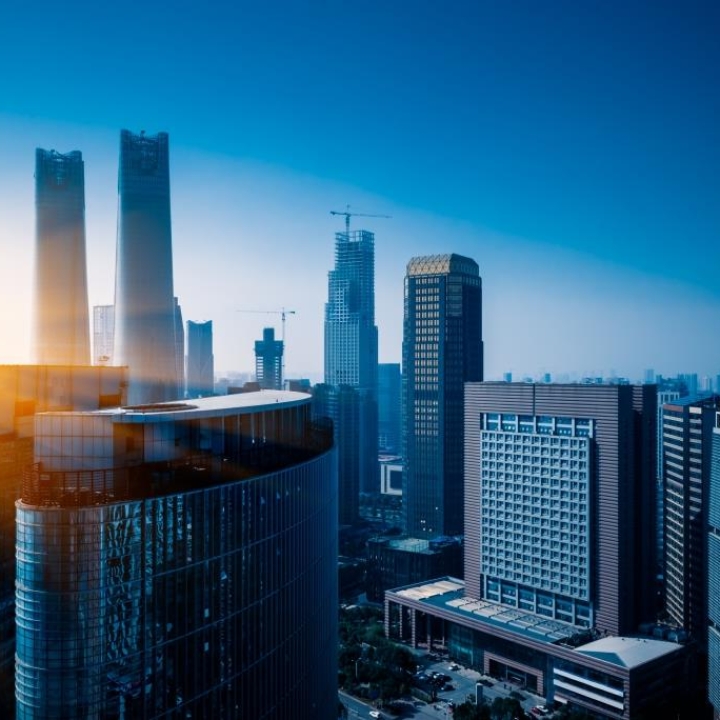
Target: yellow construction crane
348,214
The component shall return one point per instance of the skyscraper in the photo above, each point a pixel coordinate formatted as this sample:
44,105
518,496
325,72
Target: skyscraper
61,328
442,350
200,367
687,445
351,359
145,337
268,361
713,640
103,334
179,560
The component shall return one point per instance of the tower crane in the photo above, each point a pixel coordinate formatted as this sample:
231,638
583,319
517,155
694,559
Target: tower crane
348,214
282,312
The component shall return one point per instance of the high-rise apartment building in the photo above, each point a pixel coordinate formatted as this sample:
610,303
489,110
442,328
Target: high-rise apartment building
61,328
687,448
713,592
663,397
389,408
103,334
269,361
442,350
179,560
351,360
145,325
200,366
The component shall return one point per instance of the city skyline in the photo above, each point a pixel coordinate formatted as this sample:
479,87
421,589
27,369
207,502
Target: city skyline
568,150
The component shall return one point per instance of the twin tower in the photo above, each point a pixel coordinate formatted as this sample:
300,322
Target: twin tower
144,300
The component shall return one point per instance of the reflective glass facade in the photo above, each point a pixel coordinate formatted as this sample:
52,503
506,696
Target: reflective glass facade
145,324
217,601
61,324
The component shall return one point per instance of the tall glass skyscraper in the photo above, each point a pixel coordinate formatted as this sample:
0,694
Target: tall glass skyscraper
351,360
145,334
61,328
200,366
442,350
179,560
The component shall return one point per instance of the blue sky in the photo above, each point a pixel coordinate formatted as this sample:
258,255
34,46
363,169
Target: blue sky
571,148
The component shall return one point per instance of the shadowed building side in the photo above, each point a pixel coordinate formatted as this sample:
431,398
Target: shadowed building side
61,333
144,303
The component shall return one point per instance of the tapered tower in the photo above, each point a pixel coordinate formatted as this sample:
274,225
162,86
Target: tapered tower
61,328
144,303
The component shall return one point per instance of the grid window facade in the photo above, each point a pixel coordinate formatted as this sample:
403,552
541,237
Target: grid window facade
535,500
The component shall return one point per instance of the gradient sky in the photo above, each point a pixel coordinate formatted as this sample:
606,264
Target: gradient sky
571,148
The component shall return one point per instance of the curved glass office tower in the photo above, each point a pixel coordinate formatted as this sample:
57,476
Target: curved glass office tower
61,327
179,561
144,303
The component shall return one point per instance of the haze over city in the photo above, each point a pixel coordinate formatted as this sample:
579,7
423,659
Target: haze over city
571,149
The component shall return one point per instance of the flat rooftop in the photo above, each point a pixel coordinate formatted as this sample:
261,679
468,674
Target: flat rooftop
449,594
628,652
215,406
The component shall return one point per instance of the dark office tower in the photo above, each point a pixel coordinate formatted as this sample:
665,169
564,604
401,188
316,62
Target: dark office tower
713,640
200,367
268,361
103,334
442,350
144,302
61,333
179,561
342,404
389,407
351,352
687,445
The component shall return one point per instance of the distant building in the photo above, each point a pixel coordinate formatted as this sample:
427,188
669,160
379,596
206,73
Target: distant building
145,307
200,365
687,442
507,377
182,562
343,405
391,472
442,350
351,366
394,562
103,334
60,320
389,408
269,361
179,350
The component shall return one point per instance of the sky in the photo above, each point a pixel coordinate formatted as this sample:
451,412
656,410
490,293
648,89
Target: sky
571,148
